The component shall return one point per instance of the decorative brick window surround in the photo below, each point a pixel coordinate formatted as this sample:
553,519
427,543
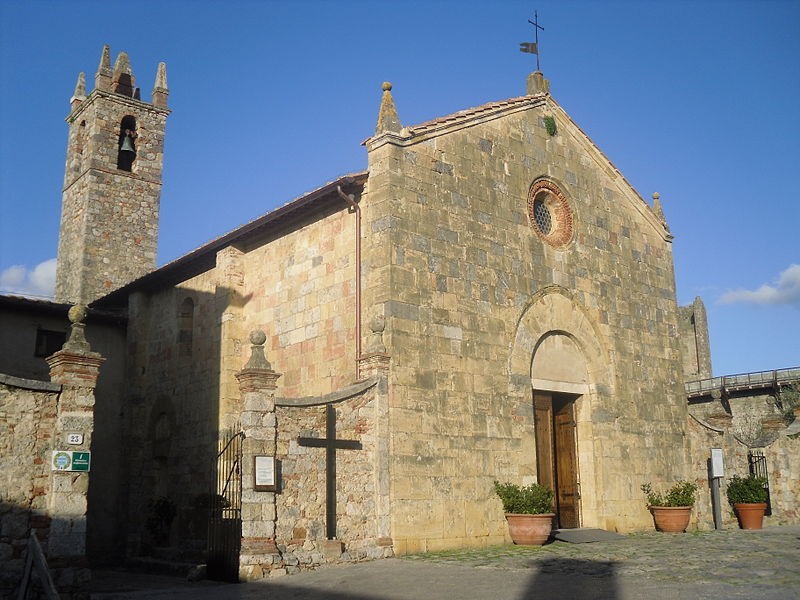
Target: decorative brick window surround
549,213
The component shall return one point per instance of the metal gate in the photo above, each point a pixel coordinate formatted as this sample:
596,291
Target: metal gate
225,520
758,467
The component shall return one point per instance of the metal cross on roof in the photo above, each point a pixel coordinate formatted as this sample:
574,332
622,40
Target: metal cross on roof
533,47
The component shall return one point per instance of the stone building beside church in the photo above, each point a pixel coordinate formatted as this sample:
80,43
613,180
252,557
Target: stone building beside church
489,300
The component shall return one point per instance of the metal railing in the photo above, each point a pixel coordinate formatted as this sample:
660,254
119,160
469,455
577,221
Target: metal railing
744,381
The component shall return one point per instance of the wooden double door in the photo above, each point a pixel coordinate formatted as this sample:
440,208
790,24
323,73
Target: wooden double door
556,456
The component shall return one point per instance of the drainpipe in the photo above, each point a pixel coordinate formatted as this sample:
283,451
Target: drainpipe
350,199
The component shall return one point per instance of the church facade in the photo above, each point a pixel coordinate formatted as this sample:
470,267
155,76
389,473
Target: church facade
526,301
489,300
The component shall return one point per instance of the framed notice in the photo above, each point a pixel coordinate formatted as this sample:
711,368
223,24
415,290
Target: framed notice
265,474
717,467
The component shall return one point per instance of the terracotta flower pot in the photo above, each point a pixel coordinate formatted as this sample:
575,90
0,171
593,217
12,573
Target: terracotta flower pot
751,516
530,530
671,519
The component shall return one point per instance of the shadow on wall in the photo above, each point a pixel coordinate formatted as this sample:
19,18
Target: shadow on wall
16,524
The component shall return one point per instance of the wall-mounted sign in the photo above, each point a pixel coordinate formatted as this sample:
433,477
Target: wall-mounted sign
71,460
265,474
74,439
717,469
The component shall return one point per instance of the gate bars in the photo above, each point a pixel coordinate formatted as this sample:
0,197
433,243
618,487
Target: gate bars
225,520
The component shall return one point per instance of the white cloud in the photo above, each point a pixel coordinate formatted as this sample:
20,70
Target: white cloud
785,291
38,282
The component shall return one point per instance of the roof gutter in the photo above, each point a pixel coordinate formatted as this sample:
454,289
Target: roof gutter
350,200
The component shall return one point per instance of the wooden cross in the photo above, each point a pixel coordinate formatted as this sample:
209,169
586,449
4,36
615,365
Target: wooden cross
331,444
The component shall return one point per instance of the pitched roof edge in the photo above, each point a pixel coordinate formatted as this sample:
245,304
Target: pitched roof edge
201,255
490,110
648,214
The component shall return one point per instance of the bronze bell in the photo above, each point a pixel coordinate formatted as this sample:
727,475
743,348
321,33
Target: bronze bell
127,145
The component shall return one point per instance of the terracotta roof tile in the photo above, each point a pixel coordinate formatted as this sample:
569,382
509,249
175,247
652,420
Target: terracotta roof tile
477,111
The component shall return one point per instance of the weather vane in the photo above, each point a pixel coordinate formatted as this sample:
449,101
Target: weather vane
533,47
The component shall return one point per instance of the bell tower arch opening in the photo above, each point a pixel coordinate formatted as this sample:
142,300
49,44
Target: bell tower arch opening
126,144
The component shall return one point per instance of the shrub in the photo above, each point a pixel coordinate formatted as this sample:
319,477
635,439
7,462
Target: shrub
160,513
531,499
747,490
681,494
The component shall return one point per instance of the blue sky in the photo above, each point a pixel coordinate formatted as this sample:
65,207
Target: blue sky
696,100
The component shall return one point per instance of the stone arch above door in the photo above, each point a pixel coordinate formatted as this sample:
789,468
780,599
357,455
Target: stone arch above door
554,311
558,348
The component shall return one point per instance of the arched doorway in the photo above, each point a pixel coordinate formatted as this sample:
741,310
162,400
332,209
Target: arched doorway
559,381
559,364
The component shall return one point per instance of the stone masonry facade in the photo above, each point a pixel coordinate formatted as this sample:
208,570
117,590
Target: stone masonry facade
471,293
304,300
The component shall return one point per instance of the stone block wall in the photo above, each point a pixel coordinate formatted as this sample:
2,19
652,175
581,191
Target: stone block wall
172,408
287,529
28,411
455,261
746,422
301,504
301,291
36,419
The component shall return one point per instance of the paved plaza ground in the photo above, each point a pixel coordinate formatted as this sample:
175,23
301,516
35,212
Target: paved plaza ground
757,565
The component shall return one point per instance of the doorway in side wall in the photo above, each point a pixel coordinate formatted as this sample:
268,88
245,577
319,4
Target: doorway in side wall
556,452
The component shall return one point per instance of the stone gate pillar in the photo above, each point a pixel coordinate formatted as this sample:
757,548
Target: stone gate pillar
76,368
257,384
375,363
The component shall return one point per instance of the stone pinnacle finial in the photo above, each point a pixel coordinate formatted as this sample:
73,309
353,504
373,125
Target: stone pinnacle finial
122,79
257,358
387,115
659,210
102,78
77,338
79,95
160,89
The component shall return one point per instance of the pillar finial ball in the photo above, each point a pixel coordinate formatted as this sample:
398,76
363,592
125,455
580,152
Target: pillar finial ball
656,195
387,86
378,324
77,314
258,337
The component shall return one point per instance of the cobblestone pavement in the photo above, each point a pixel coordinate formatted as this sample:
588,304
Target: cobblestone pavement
758,565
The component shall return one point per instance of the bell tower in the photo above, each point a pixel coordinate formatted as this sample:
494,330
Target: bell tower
112,183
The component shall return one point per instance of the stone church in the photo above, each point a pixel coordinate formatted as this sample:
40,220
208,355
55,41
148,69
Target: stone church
345,377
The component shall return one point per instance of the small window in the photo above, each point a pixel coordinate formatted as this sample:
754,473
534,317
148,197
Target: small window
550,213
48,342
542,216
186,327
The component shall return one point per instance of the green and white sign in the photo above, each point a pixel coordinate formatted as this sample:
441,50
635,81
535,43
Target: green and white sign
71,460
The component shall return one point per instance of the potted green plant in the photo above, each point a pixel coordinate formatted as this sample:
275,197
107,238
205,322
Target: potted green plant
528,510
748,498
671,510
